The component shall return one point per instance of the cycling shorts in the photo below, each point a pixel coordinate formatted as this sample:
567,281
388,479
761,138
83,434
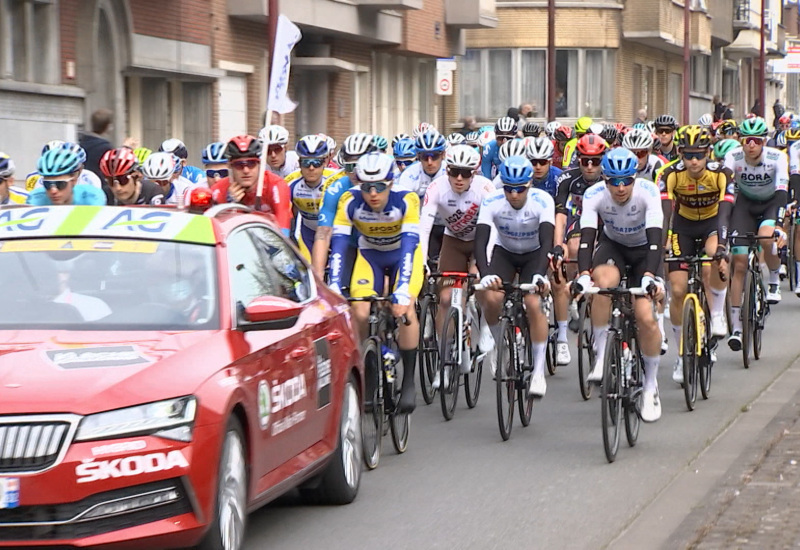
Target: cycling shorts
573,227
372,266
305,240
684,238
749,216
507,264
456,254
609,252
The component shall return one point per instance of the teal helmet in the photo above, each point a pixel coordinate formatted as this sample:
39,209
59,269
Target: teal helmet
58,162
724,147
755,126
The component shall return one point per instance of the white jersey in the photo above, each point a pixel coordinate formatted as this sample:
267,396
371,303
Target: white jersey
794,158
626,224
654,163
291,164
415,179
518,230
180,189
762,181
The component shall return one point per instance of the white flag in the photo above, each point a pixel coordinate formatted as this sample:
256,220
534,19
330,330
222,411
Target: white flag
287,36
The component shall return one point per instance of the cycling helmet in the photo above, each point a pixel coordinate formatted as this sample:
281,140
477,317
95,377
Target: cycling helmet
53,144
562,133
619,163
379,143
6,166
516,171
639,126
785,119
430,142
727,128
792,134
421,128
463,156
651,127
505,126
399,137
214,153
356,145
58,162
70,146
638,139
405,149
582,125
753,127
531,129
550,128
591,145
539,148
311,146
694,136
705,120
511,148
243,146
666,121
610,134
176,147
375,167
160,166
118,162
274,135
330,142
723,147
596,128
142,153
473,138
487,136
780,140
455,138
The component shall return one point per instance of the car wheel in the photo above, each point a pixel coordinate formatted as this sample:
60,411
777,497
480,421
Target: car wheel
340,481
230,514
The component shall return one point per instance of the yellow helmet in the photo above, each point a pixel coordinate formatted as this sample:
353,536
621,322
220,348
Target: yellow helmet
694,136
582,125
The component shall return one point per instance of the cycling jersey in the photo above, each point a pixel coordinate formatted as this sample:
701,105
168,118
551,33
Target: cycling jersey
517,230
16,196
654,163
698,199
627,223
196,176
490,161
765,179
571,188
274,198
150,193
548,184
86,177
670,155
290,164
570,159
415,179
330,200
306,202
82,194
179,189
659,181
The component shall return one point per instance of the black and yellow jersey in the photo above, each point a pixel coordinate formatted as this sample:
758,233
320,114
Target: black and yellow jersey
697,199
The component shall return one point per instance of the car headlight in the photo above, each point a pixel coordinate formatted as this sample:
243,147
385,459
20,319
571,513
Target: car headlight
171,418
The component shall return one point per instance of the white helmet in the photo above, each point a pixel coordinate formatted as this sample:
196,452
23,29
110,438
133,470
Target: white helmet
595,128
274,135
356,145
375,167
487,136
550,128
505,125
423,127
331,143
539,148
398,137
463,156
706,120
159,166
637,138
455,138
511,148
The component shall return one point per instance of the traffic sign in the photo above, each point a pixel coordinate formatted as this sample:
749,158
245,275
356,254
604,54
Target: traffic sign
446,64
444,83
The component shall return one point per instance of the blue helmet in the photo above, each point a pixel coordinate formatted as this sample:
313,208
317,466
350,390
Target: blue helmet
6,166
214,153
619,163
77,149
516,171
312,146
405,149
58,162
430,142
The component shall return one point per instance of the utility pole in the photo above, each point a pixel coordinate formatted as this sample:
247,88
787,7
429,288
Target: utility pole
762,73
687,58
272,33
551,60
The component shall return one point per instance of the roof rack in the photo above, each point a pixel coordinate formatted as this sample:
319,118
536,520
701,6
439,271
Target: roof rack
215,211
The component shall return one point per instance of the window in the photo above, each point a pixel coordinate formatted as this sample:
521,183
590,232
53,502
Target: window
534,65
675,94
593,104
500,76
29,41
567,83
155,111
471,84
700,74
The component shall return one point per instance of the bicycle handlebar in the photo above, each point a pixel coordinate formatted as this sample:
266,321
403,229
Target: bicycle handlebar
616,291
525,287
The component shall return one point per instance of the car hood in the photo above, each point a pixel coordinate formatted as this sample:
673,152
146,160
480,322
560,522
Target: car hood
85,372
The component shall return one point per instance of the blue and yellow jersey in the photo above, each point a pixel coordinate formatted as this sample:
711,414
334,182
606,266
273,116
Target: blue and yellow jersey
330,199
306,200
16,196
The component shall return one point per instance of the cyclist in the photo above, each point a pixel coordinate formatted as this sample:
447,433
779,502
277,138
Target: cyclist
504,129
665,130
640,142
454,139
141,154
165,170
611,135
793,135
405,154
214,162
85,176
706,120
306,187
473,139
388,223
175,146
582,127
545,176
243,154
60,169
722,148
561,136
379,144
331,152
703,193
9,193
398,137
762,177
727,129
123,177
523,219
512,148
630,210
531,129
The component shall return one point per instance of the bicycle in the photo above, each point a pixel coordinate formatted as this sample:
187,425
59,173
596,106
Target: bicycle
383,368
791,253
754,302
428,339
548,308
586,354
623,375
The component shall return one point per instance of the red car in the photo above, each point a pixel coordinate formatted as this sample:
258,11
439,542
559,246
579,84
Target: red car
163,373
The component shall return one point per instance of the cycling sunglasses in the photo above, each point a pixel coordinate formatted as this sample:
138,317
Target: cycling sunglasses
502,138
621,182
242,164
122,180
378,186
465,173
515,188
694,155
752,139
219,173
59,184
311,163
429,156
405,163
590,161
641,153
664,130
275,149
540,162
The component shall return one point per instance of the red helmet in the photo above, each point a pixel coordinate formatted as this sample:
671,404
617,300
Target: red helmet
243,147
562,133
785,119
118,162
591,145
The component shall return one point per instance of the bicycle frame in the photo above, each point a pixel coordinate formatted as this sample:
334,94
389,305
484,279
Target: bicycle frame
694,291
457,301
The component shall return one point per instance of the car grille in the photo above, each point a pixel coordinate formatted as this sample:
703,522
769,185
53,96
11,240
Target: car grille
31,444
63,521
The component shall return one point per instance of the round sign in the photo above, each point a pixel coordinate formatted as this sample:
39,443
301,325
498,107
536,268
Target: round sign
444,85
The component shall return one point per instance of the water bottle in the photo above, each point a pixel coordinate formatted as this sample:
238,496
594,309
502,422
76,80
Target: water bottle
389,361
627,360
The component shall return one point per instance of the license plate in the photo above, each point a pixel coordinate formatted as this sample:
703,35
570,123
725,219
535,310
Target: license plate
9,492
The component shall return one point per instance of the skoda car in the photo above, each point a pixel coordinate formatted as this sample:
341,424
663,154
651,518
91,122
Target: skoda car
163,373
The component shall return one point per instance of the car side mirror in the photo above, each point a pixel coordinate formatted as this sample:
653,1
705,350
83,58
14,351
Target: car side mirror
268,313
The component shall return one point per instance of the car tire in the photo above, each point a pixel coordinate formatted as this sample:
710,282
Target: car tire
230,511
342,477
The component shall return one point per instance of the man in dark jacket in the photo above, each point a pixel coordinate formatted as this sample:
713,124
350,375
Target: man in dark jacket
777,110
94,144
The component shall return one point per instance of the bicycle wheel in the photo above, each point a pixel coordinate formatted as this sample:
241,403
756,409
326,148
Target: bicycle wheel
748,316
399,424
759,318
524,372
704,364
791,266
633,395
372,423
449,342
429,348
586,355
472,379
689,356
505,377
610,397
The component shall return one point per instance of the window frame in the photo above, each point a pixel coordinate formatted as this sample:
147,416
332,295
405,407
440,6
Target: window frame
40,58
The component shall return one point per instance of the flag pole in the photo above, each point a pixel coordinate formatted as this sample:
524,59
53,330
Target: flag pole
272,32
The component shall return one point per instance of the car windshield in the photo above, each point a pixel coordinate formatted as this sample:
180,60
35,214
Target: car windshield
108,284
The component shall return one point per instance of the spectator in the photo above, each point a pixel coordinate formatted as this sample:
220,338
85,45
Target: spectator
641,117
561,103
719,109
470,125
727,113
777,110
756,109
94,143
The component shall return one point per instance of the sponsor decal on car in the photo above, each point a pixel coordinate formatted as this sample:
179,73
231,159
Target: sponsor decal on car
106,356
323,365
95,470
9,492
264,404
121,447
279,397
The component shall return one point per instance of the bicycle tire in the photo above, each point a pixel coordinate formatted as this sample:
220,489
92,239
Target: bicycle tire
505,379
689,355
747,317
429,348
399,423
728,314
524,365
586,355
791,266
449,342
610,393
704,367
759,317
550,351
373,417
633,396
472,379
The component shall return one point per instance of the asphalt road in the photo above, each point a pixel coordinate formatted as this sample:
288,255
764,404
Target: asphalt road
460,486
